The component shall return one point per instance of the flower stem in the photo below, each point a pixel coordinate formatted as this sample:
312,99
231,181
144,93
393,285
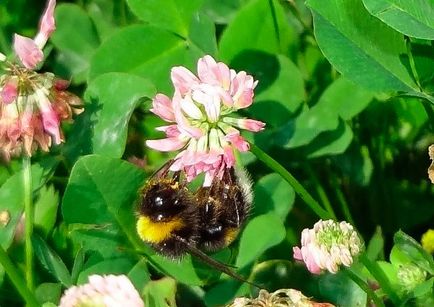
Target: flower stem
364,286
28,211
382,279
298,188
16,279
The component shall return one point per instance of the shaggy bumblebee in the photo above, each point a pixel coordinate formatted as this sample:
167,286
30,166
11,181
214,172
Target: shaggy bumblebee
175,221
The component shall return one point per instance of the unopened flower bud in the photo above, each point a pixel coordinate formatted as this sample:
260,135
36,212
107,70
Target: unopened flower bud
410,275
327,246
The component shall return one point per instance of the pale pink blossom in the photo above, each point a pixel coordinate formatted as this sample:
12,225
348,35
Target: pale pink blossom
200,118
327,246
103,291
28,50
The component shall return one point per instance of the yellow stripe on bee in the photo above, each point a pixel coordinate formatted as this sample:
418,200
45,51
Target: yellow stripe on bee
156,232
230,235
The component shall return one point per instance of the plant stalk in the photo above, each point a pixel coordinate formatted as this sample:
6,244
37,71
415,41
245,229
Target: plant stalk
17,279
28,213
364,286
382,279
298,188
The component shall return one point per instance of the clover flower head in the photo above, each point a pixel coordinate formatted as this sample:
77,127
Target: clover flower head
32,107
281,297
103,291
327,246
410,275
200,118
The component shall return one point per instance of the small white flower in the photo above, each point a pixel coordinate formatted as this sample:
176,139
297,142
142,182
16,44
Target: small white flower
328,246
103,291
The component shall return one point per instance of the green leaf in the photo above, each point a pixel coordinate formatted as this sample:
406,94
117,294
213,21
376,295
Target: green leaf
160,293
48,293
375,246
202,34
139,274
412,18
280,96
78,265
331,142
115,266
51,261
172,15
145,51
222,11
260,25
76,40
272,193
46,209
117,95
183,271
103,191
361,47
12,197
341,290
333,104
258,236
414,251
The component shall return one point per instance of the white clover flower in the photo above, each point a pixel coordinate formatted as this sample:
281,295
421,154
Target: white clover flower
103,291
328,246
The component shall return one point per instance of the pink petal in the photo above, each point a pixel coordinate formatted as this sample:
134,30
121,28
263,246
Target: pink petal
213,73
170,131
47,25
28,52
242,87
251,124
168,144
51,124
50,119
183,79
238,141
297,253
9,92
229,157
162,106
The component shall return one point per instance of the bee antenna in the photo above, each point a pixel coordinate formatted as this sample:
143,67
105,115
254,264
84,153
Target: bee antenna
210,261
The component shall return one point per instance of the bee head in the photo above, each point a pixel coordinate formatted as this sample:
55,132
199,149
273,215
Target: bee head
162,199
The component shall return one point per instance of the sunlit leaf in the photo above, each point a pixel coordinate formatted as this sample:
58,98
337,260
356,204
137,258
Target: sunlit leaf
412,18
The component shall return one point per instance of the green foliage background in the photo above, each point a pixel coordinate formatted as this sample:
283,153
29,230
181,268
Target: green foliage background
345,87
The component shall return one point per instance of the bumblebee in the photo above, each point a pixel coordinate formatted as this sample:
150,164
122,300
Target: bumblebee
175,221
